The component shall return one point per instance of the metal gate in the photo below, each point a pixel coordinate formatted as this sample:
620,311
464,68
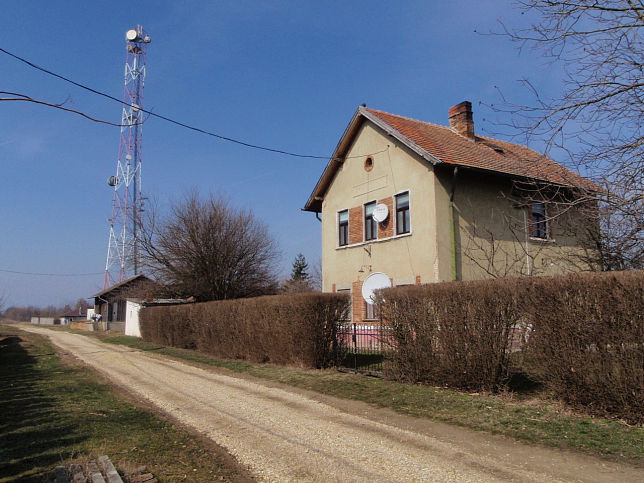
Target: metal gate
361,347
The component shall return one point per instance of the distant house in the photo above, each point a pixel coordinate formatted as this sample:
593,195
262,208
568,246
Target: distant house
134,306
425,203
111,303
66,319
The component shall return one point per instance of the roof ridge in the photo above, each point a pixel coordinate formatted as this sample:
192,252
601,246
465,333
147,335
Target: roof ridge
488,138
409,118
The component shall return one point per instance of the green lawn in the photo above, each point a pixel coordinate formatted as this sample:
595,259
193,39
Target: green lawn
53,413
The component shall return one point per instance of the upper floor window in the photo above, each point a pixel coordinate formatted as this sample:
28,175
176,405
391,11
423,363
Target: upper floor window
343,227
370,225
402,213
539,221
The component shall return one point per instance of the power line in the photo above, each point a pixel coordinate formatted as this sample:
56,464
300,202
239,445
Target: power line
25,98
51,274
170,120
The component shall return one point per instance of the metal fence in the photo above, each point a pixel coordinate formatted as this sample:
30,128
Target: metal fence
362,347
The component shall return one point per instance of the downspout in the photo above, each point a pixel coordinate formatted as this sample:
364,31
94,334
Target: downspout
452,221
317,215
527,242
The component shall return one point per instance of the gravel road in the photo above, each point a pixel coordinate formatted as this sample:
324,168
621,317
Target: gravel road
288,435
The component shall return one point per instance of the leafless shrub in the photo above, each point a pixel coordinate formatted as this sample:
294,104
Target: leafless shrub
286,329
581,335
454,334
587,340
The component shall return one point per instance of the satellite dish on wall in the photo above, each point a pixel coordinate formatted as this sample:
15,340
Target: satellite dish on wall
373,282
380,212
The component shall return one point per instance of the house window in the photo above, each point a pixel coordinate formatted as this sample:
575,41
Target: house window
371,311
347,292
402,213
370,225
343,228
539,221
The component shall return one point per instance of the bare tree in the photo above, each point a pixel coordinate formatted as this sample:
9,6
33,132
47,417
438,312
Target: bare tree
513,250
208,250
597,120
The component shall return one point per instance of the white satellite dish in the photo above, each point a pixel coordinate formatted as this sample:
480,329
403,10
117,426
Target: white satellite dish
375,281
380,212
131,35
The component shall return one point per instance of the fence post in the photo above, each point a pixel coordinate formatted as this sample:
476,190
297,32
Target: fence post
355,348
335,344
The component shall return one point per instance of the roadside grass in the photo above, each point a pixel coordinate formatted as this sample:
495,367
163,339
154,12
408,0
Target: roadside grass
54,413
534,420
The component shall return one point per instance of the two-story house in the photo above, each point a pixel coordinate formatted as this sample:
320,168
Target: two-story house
425,203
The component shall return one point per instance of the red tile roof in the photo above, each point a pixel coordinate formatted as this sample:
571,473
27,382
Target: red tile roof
482,153
440,144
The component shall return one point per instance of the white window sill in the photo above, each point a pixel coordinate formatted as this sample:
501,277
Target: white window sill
542,240
377,240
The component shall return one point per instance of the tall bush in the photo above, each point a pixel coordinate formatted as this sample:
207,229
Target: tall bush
294,329
582,336
453,334
587,342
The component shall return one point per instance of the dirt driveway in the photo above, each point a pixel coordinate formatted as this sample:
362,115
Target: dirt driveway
289,435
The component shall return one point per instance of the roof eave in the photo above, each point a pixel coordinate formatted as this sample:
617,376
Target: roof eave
314,203
118,285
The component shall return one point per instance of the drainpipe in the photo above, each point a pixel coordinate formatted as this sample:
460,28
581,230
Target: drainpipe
452,221
317,215
527,242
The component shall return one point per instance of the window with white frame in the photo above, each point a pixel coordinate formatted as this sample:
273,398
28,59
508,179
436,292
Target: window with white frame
370,224
402,213
371,311
343,228
539,221
347,292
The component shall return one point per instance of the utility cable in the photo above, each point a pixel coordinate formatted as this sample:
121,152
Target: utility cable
52,274
178,123
23,97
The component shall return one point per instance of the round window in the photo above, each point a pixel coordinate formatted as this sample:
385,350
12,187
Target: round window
368,164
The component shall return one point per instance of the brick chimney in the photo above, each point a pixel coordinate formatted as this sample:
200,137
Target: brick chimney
461,120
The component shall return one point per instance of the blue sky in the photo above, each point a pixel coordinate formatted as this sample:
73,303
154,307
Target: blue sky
284,74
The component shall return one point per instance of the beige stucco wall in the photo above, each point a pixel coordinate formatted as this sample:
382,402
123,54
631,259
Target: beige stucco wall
493,235
395,169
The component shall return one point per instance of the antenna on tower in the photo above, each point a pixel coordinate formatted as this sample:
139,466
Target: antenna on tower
122,248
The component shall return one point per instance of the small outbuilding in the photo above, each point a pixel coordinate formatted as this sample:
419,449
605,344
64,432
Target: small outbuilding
110,305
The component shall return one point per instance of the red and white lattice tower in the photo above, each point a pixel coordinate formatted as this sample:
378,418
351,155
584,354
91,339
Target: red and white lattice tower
122,250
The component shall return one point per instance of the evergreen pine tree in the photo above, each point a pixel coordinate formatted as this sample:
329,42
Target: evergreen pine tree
300,267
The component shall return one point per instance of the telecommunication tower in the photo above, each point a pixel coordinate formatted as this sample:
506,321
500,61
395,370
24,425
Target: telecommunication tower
127,204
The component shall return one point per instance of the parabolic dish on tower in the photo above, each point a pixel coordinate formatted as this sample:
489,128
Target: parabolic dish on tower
373,282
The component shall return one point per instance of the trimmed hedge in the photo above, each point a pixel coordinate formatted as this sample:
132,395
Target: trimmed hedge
583,336
451,334
587,342
284,329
